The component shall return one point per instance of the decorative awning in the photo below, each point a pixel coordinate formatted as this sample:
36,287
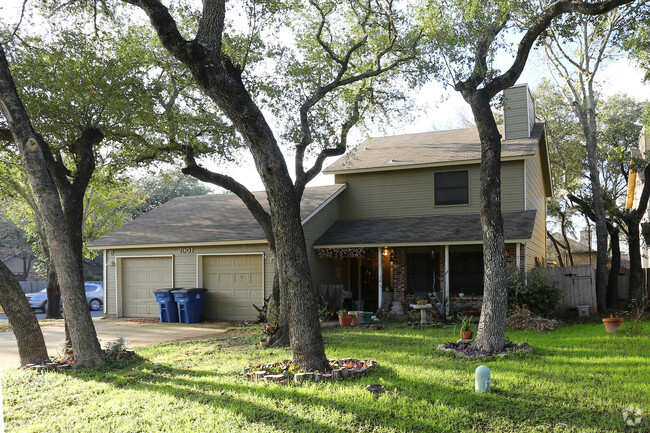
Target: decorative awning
426,230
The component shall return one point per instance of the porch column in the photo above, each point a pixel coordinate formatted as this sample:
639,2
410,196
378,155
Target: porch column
518,255
380,278
447,279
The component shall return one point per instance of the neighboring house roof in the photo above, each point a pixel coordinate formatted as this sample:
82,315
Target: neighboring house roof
205,219
438,229
429,149
577,247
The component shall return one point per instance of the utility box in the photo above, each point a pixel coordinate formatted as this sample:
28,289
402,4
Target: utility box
583,310
191,304
166,305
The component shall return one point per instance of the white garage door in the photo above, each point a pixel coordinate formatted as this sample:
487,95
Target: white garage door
140,276
234,283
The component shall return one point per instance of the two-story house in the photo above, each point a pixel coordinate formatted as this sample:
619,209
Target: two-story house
401,220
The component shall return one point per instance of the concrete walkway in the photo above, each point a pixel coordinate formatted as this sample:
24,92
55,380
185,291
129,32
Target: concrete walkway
137,333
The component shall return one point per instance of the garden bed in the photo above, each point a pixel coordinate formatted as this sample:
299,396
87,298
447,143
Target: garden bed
464,348
285,371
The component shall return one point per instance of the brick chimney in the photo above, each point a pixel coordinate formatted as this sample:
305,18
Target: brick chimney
518,112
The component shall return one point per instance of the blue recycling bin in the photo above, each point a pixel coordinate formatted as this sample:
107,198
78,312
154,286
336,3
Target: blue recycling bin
167,305
191,304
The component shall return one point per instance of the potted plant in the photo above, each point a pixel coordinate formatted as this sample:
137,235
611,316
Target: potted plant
356,317
612,324
465,325
264,342
345,319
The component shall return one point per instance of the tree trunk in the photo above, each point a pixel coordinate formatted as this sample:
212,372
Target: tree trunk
599,213
491,328
297,293
615,269
281,336
53,293
635,288
33,152
556,245
633,220
566,239
31,345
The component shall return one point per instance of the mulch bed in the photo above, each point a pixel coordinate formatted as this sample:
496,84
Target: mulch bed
284,371
463,348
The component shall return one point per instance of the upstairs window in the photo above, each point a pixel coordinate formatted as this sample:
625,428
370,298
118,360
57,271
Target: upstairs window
451,187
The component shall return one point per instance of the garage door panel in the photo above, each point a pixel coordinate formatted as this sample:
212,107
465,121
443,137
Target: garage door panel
140,277
234,284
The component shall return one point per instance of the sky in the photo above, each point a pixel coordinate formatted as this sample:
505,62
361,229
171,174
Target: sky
439,107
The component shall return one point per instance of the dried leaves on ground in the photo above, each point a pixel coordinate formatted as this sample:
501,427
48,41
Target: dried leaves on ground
522,319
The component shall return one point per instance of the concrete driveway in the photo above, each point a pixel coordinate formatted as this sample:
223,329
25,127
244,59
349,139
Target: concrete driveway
138,333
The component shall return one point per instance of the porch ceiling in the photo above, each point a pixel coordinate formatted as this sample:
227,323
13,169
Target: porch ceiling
426,230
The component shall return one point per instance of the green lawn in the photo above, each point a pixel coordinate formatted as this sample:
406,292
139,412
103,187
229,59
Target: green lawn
579,380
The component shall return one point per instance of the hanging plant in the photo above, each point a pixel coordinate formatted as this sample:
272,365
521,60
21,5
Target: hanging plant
339,253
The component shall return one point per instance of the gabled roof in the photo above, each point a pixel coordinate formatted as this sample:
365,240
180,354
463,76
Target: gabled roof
205,219
425,230
429,149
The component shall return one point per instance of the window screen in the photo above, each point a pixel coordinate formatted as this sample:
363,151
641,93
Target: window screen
451,187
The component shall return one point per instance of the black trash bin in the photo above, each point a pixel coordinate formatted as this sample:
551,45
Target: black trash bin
167,305
191,304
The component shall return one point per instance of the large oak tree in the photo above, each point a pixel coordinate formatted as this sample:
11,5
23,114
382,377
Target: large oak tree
321,81
464,39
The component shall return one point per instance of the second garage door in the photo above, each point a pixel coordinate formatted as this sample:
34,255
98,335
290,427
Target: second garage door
234,283
140,277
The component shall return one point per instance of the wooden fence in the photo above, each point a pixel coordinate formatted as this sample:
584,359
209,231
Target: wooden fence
578,284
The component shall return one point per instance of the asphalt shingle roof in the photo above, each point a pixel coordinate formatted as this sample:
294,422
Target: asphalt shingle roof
205,218
425,229
436,147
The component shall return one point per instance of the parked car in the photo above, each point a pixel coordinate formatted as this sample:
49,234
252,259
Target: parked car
94,297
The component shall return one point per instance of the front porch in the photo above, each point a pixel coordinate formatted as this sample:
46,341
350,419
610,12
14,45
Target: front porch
378,276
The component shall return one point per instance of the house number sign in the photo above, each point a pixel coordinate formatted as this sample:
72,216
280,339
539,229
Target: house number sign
185,250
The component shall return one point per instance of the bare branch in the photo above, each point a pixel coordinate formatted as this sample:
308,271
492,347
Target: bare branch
302,179
539,24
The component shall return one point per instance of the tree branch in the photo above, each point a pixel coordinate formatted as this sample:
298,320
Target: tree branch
166,28
211,24
557,246
261,216
539,24
302,179
6,136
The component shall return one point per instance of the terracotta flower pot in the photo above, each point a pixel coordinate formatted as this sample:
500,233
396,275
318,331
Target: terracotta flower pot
467,335
356,320
345,320
612,324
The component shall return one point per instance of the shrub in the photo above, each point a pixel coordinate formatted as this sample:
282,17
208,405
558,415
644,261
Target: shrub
537,290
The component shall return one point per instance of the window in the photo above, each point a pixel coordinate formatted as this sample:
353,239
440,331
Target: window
451,187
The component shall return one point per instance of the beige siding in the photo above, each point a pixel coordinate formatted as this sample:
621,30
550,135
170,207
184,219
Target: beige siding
185,266
519,114
512,187
535,199
405,193
322,272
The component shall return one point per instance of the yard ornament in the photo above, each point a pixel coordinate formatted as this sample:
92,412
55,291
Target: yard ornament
482,379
